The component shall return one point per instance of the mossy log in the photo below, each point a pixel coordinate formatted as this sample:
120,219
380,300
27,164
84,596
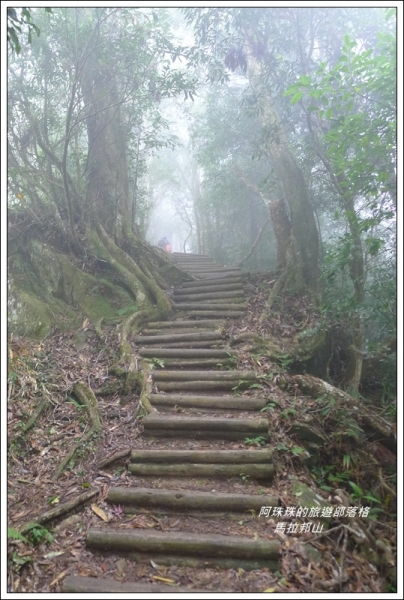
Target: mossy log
185,353
189,345
206,363
209,286
204,375
180,337
216,402
189,500
199,385
226,314
258,471
188,544
155,421
190,286
184,323
204,434
150,332
91,585
207,296
205,271
208,563
209,306
202,456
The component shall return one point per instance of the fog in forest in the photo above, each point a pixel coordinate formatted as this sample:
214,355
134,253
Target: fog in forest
201,210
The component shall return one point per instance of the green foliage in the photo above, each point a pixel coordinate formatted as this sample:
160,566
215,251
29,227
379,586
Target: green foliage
297,450
287,413
16,22
19,561
270,406
39,534
349,101
155,362
14,534
256,441
284,360
127,310
358,495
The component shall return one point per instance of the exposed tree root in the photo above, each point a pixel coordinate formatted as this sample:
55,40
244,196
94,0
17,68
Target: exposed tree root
111,459
33,419
86,397
266,345
98,329
367,419
60,510
144,405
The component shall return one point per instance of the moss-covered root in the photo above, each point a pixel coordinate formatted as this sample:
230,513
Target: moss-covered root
144,406
86,397
124,262
133,321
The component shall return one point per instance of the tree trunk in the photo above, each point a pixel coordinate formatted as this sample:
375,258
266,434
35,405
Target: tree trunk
301,271
107,174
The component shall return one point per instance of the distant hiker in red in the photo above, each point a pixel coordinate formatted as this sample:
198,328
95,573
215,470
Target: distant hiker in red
165,244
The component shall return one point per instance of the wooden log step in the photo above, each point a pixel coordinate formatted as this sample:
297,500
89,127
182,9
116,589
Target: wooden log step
187,323
208,273
214,288
207,295
257,471
220,457
227,314
239,436
179,500
189,345
199,265
207,306
153,421
217,402
179,337
204,363
150,332
189,254
186,353
233,376
207,284
74,584
187,544
181,264
213,302
199,386
211,267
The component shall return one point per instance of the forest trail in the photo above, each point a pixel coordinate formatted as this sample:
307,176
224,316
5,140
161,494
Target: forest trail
195,473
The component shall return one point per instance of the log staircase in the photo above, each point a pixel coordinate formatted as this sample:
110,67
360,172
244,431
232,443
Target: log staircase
194,379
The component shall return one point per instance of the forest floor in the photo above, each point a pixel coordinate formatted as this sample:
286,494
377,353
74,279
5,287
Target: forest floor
328,561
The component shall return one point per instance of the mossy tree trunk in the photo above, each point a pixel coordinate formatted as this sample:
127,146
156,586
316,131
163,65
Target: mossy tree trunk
69,170
298,232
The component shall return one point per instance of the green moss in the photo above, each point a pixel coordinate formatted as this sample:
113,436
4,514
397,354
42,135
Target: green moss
30,316
311,341
48,290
